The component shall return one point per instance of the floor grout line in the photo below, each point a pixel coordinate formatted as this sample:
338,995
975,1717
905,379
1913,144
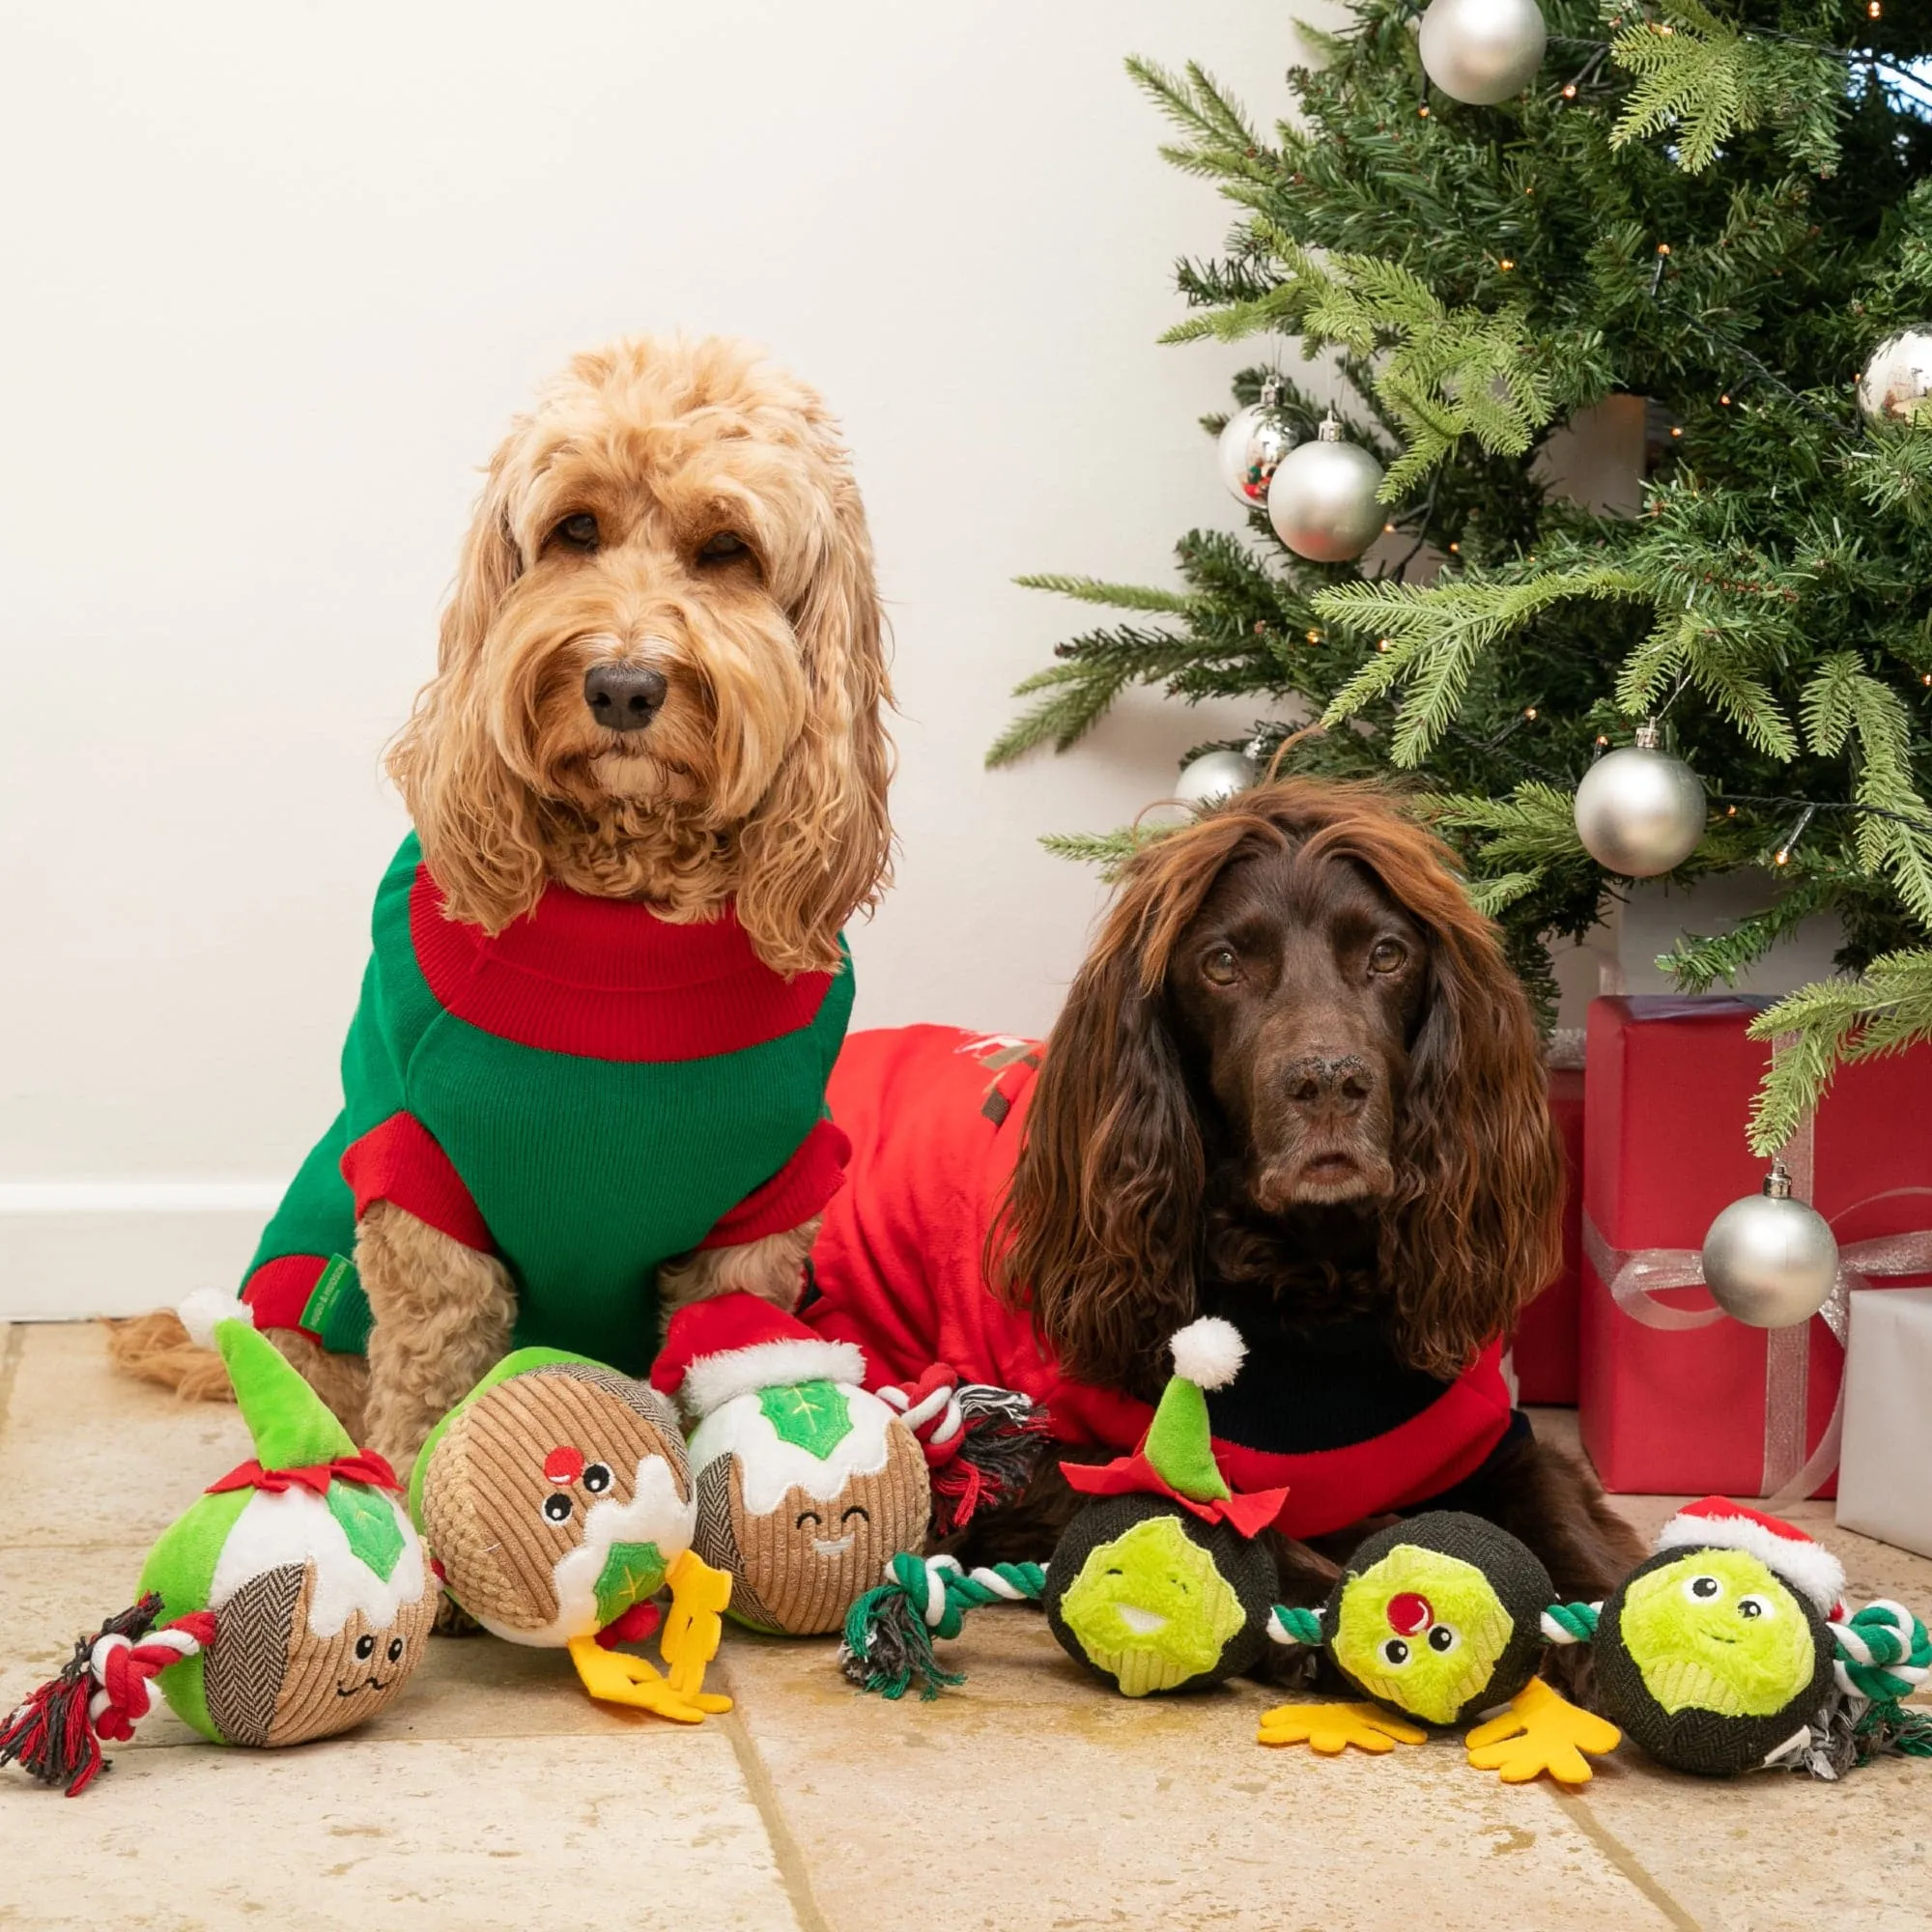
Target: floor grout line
10,1366
1575,1807
789,1859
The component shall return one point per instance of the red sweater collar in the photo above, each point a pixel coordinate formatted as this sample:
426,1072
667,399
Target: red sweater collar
607,979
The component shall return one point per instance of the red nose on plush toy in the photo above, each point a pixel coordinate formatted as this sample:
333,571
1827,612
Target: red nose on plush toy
1408,1612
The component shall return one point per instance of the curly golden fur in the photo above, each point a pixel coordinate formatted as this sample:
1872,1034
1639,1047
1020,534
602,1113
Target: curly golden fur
764,774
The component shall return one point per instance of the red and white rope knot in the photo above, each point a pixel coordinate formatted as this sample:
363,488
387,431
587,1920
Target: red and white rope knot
931,1410
124,1669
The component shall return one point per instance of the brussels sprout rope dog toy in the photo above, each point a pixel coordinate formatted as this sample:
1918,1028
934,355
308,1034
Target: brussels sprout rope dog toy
1160,1582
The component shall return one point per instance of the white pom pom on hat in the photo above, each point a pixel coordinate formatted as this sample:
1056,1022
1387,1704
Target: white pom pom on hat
200,1311
1208,1351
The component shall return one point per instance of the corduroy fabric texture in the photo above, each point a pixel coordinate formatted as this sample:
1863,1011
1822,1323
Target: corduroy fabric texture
511,1487
588,1093
1440,1617
1660,1677
1152,1598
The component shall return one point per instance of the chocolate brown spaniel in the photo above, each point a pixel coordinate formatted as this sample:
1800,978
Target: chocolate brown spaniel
1294,1085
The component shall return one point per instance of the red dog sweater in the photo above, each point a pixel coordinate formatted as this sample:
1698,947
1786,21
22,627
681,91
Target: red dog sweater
588,1093
935,1118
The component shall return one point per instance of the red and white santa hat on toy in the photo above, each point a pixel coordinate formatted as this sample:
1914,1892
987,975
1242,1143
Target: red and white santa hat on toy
735,1344
1784,1549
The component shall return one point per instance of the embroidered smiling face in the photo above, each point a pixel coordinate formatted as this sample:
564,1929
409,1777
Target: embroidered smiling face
804,1492
1715,1630
555,1499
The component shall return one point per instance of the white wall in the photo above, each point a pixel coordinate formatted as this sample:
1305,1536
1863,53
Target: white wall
278,276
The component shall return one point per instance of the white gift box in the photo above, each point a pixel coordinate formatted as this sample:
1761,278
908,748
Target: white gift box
1888,1447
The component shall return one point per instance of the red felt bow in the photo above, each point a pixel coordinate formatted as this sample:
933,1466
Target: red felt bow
366,1467
1134,1475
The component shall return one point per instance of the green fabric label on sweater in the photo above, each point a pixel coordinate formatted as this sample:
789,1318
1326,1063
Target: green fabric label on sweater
631,1572
369,1522
812,1416
337,1311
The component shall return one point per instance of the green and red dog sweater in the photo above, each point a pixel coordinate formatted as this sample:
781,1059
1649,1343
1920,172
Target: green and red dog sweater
588,1093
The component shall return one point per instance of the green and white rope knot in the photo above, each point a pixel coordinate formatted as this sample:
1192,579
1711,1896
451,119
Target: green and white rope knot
944,1592
1570,1622
889,1631
1286,1626
1883,1653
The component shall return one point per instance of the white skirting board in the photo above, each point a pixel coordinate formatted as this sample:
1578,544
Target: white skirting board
71,1249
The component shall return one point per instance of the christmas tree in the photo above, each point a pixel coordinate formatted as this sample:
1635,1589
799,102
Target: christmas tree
1725,211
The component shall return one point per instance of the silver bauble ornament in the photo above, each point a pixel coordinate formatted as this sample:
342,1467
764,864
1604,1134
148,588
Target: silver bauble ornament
1482,51
1214,776
1640,811
1769,1259
1323,500
1251,445
1898,378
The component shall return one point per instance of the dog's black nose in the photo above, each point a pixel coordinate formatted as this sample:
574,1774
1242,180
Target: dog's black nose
624,696
1339,1087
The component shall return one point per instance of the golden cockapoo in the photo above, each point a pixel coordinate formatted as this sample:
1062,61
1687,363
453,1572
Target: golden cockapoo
648,786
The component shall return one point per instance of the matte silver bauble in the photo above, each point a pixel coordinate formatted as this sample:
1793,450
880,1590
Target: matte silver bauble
1898,378
1323,500
1482,51
1640,811
1214,776
1769,1259
1251,446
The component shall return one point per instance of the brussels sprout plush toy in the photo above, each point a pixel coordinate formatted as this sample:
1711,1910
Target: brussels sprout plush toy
1161,1582
557,1502
289,1603
1439,1620
1730,1649
807,1481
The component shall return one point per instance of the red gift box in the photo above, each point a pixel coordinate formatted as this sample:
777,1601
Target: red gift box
1685,1410
1545,1347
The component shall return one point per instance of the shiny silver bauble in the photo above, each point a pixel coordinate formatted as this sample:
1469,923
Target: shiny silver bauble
1482,51
1640,811
1771,1259
1898,377
1214,776
1250,448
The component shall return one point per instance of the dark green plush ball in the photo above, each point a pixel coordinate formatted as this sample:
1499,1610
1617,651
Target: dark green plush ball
1155,1598
1440,1617
1710,1661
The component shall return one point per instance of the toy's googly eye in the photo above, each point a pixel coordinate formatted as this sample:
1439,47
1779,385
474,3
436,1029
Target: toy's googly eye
365,1648
1753,1606
395,1650
1395,1651
596,1477
1703,1589
1442,1640
556,1509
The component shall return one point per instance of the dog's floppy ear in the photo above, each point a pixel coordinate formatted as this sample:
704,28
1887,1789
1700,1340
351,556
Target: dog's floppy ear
818,846
1098,1231
472,814
1474,1229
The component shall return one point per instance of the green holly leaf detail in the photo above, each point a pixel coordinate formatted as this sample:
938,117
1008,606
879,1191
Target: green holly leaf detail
369,1522
631,1572
812,1416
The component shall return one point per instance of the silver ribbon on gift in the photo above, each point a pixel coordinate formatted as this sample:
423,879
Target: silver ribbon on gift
1636,1276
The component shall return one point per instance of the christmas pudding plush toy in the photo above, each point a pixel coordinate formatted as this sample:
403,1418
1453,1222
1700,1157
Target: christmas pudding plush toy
1161,1582
557,1502
289,1603
1440,1620
1730,1649
807,1481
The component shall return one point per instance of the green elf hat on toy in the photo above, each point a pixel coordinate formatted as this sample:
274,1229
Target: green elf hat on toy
1176,1457
289,1602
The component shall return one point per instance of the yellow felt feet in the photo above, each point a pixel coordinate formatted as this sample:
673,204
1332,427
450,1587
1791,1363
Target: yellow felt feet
1331,1728
614,1678
1540,1731
694,1625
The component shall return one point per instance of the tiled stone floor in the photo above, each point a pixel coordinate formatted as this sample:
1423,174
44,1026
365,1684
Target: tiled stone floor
495,1794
